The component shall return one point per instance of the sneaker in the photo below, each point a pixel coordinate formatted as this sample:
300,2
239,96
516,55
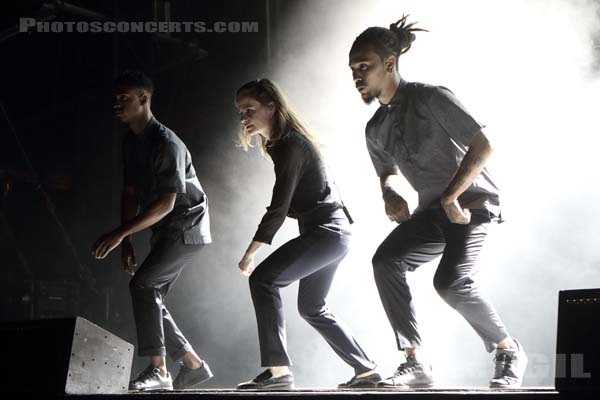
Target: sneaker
188,377
510,368
369,381
150,379
411,374
266,381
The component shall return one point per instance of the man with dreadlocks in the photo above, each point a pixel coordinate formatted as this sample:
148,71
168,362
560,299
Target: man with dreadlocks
425,133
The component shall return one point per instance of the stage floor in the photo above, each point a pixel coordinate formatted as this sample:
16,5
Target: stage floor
327,394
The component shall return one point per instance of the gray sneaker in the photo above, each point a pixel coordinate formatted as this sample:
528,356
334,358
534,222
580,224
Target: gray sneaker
188,377
510,368
411,374
150,379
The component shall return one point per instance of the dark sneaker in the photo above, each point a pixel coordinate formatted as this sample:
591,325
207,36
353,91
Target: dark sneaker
188,377
266,381
150,379
369,381
510,368
411,374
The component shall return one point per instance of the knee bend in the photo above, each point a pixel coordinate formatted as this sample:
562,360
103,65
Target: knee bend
383,264
440,285
256,280
380,261
137,284
309,311
447,287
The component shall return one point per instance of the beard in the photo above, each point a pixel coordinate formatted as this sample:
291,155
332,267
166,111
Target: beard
369,97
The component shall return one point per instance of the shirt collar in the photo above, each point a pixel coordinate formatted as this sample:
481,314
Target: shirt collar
399,97
152,123
273,142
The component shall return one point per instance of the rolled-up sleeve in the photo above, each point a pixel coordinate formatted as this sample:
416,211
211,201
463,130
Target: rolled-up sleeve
288,160
170,168
451,115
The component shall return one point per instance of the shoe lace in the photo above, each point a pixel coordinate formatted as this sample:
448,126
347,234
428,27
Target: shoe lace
507,370
405,368
503,364
146,374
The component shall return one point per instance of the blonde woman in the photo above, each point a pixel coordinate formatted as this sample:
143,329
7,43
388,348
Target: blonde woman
304,191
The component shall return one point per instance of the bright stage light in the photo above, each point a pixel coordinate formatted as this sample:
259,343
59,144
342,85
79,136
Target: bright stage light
524,69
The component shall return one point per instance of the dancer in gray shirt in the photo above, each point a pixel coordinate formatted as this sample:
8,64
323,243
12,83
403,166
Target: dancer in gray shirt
424,133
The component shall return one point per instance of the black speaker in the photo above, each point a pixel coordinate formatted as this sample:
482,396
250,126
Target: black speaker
59,356
577,342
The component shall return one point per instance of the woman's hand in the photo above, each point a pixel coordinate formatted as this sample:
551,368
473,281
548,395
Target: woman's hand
246,265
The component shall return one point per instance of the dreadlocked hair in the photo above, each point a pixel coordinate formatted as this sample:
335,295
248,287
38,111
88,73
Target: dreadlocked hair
386,42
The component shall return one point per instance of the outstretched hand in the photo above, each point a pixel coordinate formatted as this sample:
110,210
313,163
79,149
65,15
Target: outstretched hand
106,243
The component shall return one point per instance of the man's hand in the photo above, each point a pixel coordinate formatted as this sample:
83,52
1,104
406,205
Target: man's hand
456,214
107,243
128,256
396,207
246,265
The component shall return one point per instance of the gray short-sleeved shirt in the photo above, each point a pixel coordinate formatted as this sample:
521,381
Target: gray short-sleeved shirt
424,133
156,161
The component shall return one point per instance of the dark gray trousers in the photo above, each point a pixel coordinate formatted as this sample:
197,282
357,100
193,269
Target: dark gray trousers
157,332
425,236
313,258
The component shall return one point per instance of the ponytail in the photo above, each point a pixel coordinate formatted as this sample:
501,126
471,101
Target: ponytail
394,41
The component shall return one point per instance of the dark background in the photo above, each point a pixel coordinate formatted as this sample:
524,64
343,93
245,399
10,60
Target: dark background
60,153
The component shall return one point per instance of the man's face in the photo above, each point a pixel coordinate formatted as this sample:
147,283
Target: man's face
129,103
368,73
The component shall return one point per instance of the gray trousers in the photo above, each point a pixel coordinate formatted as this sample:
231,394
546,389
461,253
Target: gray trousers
425,236
157,332
313,258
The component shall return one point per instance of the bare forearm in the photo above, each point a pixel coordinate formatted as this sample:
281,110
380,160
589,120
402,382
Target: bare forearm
471,166
154,213
390,183
129,208
253,248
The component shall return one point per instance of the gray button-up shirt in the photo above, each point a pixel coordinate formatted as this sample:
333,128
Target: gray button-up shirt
424,133
156,161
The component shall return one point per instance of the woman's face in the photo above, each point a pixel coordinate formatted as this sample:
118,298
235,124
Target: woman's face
255,117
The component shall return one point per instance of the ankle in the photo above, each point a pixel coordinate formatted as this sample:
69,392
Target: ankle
162,370
192,360
193,364
368,373
411,352
507,343
279,371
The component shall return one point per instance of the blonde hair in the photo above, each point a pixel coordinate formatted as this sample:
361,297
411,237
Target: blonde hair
266,91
